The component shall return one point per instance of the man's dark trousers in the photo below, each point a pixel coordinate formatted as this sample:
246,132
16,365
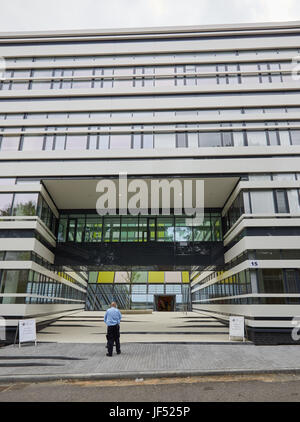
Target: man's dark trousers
113,335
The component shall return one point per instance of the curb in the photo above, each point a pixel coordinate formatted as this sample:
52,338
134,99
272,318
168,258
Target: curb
143,375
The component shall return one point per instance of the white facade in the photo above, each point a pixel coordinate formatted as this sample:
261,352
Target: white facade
220,103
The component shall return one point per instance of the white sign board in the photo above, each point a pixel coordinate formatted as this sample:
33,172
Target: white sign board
254,264
27,330
236,326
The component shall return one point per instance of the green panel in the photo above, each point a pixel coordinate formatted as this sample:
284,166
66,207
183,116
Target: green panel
93,275
139,277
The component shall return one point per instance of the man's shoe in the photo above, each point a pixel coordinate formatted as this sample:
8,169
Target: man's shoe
107,354
118,353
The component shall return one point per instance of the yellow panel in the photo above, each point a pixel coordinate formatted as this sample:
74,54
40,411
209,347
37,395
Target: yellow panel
156,277
185,277
106,277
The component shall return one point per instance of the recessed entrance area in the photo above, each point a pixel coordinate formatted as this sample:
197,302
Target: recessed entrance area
155,327
164,303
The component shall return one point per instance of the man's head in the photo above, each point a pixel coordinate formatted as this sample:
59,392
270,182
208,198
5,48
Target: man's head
113,305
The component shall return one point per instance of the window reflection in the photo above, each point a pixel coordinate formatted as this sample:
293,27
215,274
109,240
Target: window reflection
89,228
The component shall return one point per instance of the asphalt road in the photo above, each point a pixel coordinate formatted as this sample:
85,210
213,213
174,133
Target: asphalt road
258,388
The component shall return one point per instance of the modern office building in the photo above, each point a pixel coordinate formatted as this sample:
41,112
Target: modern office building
219,104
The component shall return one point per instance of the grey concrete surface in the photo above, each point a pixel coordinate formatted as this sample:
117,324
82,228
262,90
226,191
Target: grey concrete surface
161,345
49,361
259,388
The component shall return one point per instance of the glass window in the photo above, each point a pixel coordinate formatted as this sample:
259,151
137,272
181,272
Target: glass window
139,289
291,254
107,83
5,203
62,229
262,202
210,139
283,176
49,142
182,140
292,281
284,137
183,229
238,139
81,84
60,142
13,282
139,277
10,143
273,137
120,141
165,140
257,138
17,256
80,226
202,229
66,84
123,83
148,140
82,71
129,230
270,281
260,177
245,199
216,227
93,229
76,142
104,141
190,80
22,73
156,289
32,143
93,142
295,136
42,73
111,229
173,288
41,85
19,86
137,141
227,139
165,229
193,141
281,201
271,254
294,201
7,181
25,204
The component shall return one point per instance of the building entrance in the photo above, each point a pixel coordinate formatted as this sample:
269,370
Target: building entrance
164,303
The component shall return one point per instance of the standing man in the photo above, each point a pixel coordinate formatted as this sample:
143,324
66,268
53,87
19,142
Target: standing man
112,319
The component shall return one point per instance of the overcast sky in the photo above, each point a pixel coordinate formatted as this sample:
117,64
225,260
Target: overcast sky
30,15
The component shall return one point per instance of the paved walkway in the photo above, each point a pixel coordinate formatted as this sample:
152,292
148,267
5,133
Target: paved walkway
52,361
159,344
